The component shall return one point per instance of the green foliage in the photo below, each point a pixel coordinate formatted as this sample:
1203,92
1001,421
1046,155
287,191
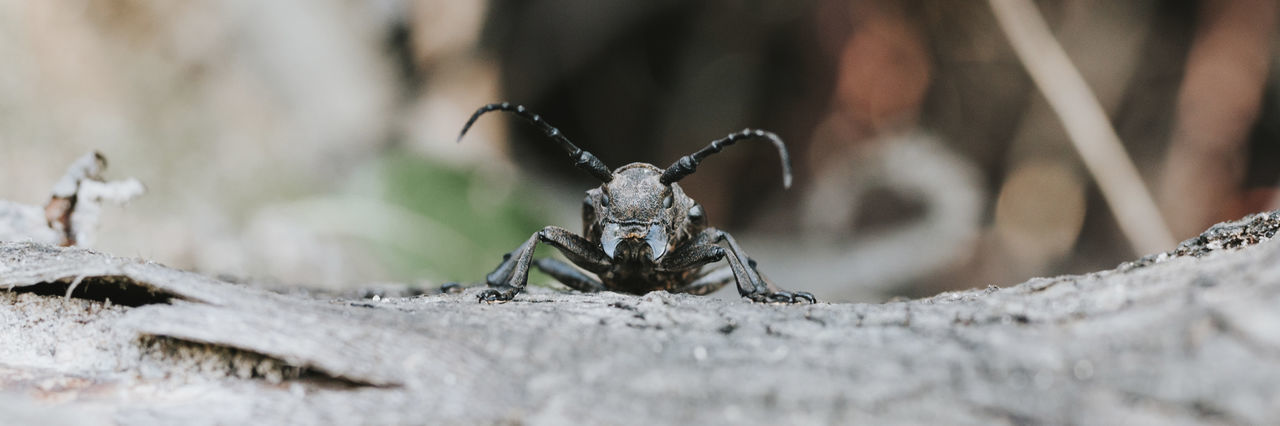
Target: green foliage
466,220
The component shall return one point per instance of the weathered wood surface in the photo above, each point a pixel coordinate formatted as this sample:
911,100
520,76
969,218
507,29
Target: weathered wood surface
1192,336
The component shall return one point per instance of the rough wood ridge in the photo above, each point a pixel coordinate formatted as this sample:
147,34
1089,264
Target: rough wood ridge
1192,335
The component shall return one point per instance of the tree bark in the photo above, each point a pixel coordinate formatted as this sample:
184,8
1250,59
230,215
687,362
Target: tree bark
1192,335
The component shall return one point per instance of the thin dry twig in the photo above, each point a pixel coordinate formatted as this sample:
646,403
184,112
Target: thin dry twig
1086,123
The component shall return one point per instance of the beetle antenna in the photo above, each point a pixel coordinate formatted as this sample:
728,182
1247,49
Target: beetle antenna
581,159
686,165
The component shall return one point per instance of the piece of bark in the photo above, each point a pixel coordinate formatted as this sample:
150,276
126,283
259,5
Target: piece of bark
70,218
1187,337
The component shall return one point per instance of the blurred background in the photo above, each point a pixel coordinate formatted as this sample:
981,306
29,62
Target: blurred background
313,142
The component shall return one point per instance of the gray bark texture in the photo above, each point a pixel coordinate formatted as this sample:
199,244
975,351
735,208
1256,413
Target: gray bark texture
1189,336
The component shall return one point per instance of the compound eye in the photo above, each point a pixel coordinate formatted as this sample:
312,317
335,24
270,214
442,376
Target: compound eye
666,202
695,213
604,200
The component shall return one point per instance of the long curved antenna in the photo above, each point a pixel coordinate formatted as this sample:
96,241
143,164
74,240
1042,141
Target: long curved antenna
686,165
581,159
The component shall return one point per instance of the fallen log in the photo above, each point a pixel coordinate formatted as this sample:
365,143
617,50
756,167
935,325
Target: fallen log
1192,335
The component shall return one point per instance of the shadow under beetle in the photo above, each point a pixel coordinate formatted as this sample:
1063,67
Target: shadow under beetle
641,232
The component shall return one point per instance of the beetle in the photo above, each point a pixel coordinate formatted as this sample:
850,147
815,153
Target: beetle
641,233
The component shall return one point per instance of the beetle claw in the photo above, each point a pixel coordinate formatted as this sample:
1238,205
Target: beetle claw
804,295
782,297
495,295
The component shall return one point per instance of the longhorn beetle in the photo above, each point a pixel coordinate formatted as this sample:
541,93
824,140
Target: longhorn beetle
641,232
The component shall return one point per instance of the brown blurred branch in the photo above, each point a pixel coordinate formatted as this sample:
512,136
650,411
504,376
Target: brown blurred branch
1086,124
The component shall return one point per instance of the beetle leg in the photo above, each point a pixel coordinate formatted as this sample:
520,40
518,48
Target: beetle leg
510,277
750,283
708,282
692,256
796,296
497,280
701,251
568,275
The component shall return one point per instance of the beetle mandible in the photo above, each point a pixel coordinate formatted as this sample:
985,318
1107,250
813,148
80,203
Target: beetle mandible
641,232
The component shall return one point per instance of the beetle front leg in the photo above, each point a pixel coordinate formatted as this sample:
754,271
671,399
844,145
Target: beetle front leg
510,268
568,275
700,252
510,277
708,282
751,284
